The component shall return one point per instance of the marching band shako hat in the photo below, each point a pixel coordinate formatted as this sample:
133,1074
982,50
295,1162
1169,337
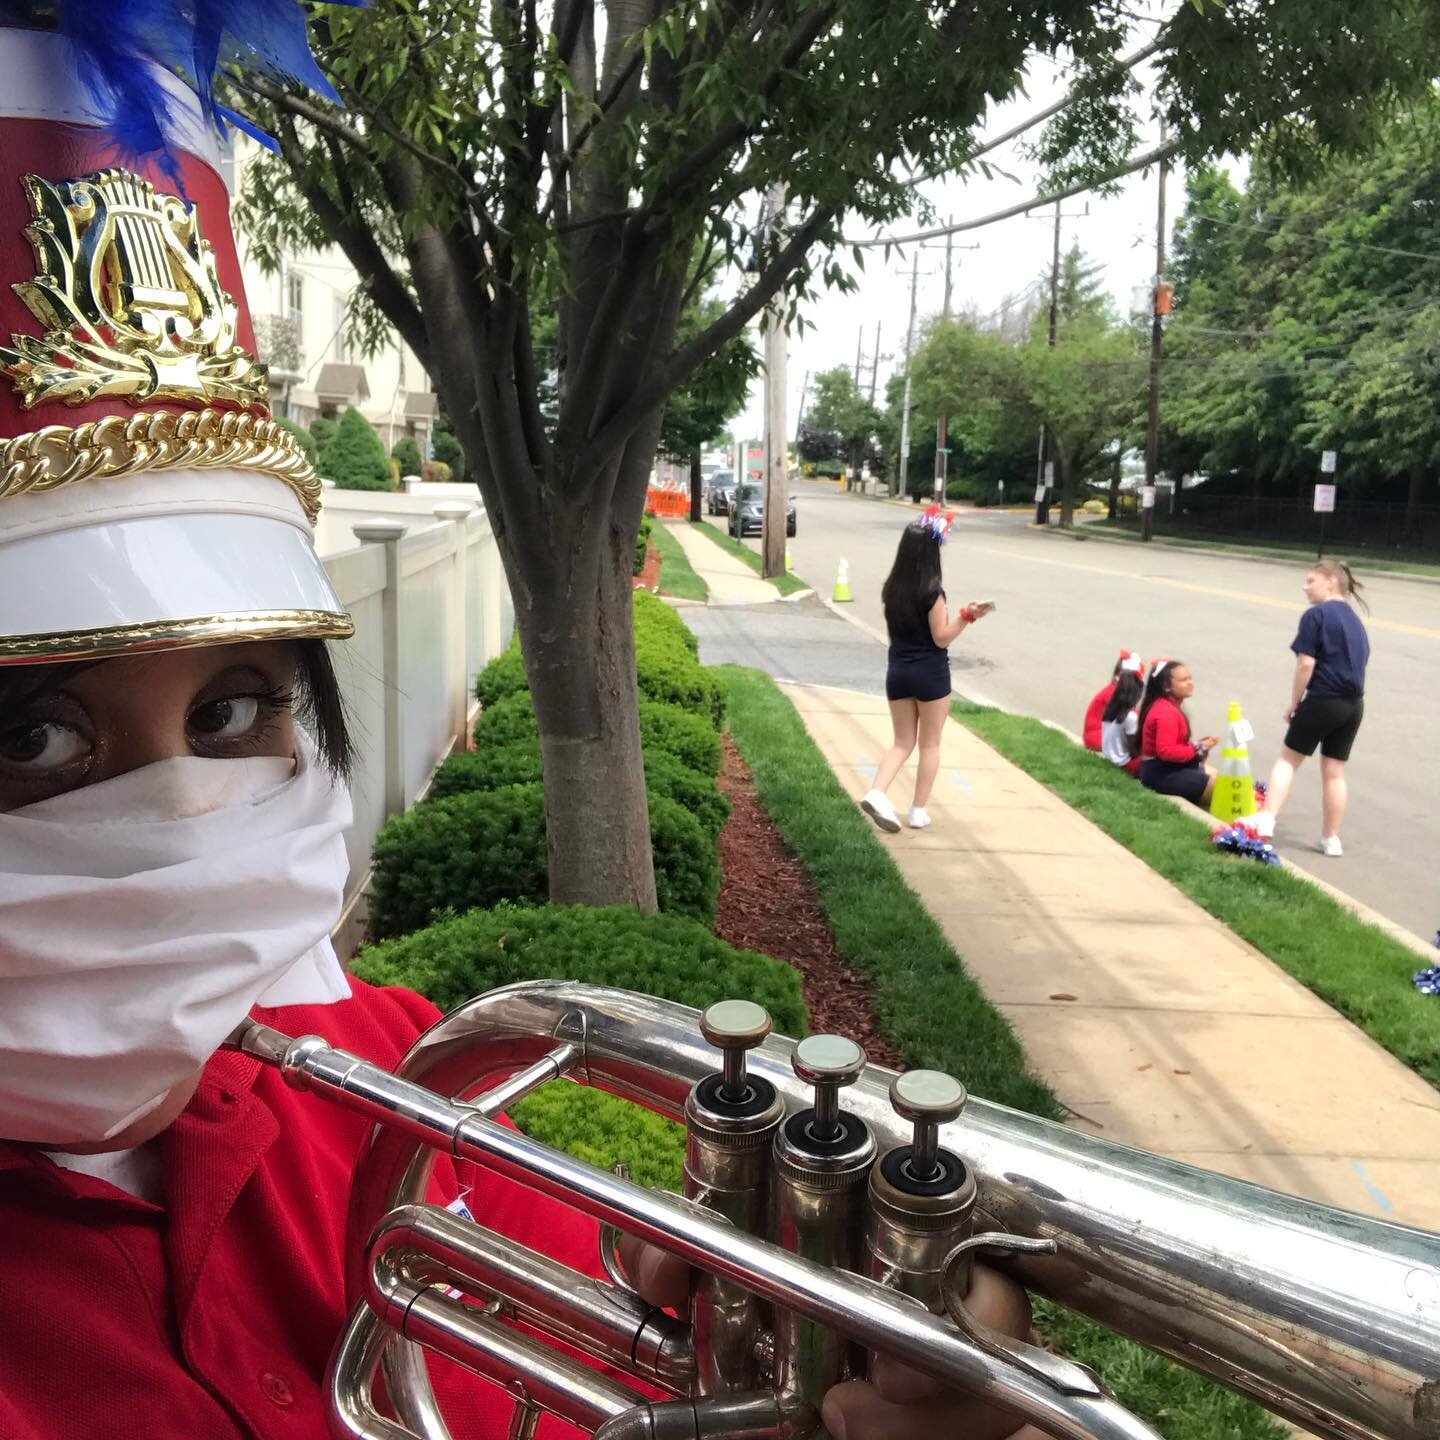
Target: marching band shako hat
147,499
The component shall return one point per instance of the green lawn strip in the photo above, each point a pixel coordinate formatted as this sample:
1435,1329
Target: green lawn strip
786,584
1355,967
677,575
1266,549
933,1010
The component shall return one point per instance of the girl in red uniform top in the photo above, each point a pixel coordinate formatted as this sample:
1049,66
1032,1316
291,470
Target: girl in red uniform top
1169,761
1093,733
172,846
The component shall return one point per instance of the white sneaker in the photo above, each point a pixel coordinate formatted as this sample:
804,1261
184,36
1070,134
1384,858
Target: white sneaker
1264,823
919,817
1330,845
876,804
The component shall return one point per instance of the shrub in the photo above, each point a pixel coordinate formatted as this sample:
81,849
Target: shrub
642,545
436,471
406,455
689,737
653,617
665,955
446,447
306,439
455,854
670,674
321,430
485,846
519,764
503,676
490,769
353,457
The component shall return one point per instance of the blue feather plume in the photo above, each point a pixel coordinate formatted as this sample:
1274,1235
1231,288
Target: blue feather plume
193,39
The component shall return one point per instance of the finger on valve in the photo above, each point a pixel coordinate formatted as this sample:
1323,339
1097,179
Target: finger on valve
660,1277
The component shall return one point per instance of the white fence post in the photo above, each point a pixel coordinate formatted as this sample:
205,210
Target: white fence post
388,534
458,512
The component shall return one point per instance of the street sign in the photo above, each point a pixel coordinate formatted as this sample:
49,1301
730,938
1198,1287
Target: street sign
1324,499
1147,497
1039,494
1049,473
1329,459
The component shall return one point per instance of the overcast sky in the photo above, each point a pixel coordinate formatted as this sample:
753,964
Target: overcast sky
1118,233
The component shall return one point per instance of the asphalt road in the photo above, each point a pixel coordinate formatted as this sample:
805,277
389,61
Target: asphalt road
1064,611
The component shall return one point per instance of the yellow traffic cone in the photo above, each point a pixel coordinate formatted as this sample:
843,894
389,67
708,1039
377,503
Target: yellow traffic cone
1234,797
842,583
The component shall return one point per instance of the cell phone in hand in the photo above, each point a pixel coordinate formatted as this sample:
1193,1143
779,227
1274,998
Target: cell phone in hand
987,604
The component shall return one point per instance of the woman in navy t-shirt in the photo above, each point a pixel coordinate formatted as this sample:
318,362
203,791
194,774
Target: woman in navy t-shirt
917,682
1327,697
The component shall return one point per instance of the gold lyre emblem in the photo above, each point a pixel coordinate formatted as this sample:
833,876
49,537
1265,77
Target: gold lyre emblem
131,299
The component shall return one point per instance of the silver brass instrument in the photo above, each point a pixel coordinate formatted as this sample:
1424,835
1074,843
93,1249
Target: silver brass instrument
824,1227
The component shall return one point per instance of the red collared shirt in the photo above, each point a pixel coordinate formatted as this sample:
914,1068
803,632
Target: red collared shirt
1094,715
1167,734
212,1317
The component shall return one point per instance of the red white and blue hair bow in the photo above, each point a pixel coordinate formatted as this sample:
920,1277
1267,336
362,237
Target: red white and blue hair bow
937,522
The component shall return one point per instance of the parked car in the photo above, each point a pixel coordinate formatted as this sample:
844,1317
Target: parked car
718,490
747,512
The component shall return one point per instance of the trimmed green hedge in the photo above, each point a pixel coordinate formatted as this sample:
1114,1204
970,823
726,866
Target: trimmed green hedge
654,618
663,955
489,846
687,736
642,545
501,765
502,677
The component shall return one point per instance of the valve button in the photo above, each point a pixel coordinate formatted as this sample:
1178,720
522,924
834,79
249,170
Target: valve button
832,1058
927,1095
739,1023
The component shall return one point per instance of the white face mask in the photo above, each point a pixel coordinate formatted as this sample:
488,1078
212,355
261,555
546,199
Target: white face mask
141,919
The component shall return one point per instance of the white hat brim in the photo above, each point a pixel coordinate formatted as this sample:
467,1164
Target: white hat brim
162,582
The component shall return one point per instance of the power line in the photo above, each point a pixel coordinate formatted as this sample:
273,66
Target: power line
1429,257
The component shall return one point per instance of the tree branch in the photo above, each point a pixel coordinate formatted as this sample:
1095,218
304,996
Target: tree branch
685,361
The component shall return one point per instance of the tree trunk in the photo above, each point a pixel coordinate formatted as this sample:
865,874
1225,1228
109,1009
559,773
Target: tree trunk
1114,509
1412,501
697,488
581,664
1065,462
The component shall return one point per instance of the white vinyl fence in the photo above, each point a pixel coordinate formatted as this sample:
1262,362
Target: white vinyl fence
422,577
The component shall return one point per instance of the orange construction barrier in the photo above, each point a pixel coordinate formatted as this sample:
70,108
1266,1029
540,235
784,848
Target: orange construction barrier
668,504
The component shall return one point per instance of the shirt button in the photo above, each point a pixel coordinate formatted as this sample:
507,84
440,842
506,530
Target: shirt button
276,1389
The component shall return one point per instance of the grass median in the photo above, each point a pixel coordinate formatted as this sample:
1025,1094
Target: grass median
936,1014
1355,967
786,584
677,575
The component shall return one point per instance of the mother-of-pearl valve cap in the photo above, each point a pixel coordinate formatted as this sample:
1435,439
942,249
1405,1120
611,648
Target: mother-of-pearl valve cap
929,1099
734,1027
827,1062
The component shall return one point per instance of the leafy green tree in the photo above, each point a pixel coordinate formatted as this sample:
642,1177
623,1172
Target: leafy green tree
406,454
841,409
353,456
321,430
500,157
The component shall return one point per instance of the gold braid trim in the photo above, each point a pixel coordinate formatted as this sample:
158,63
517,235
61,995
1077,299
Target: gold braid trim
60,455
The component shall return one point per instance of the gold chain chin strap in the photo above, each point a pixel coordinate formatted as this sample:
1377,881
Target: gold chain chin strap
60,455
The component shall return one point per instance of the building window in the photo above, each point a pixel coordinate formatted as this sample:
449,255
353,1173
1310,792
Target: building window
295,296
342,343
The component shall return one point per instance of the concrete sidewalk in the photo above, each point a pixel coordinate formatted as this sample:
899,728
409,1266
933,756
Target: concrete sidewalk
731,580
1156,1025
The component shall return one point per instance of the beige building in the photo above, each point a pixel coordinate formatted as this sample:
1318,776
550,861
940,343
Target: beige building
301,328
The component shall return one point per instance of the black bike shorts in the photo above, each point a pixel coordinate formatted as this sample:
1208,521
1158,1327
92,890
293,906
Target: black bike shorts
1329,721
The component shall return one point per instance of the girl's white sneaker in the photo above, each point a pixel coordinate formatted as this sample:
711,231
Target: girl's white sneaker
876,804
1330,845
919,817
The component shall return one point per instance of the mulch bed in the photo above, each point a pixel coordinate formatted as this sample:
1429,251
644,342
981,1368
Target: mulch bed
768,903
649,577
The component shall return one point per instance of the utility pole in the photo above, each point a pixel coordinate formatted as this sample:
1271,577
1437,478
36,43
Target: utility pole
875,363
942,423
859,351
904,467
777,473
1042,479
1157,334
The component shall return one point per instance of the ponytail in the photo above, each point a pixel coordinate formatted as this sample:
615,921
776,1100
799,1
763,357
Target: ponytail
1344,576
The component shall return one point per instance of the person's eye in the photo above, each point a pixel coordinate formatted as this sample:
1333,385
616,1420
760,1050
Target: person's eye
42,746
226,719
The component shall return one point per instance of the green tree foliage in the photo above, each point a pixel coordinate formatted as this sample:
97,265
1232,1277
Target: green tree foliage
353,456
498,159
306,439
840,409
406,454
1308,318
321,429
700,409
